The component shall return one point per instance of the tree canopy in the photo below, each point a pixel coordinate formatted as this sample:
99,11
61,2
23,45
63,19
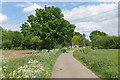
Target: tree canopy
96,33
102,40
50,26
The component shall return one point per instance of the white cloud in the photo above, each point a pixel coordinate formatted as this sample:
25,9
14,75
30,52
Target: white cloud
3,18
31,8
87,27
90,12
101,17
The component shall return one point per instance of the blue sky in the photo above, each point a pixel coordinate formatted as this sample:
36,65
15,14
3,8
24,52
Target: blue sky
87,16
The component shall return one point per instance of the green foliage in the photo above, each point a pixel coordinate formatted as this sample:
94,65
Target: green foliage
11,39
76,40
59,46
18,48
87,42
17,39
50,26
44,30
103,41
63,50
104,62
79,39
36,42
77,34
85,50
107,42
26,42
7,44
96,33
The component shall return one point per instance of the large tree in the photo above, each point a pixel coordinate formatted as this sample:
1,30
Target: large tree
50,26
76,40
94,35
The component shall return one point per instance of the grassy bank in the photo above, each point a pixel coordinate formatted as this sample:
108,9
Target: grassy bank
70,49
103,62
35,66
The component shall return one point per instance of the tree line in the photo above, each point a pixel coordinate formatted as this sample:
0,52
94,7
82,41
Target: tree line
79,39
44,30
48,29
101,40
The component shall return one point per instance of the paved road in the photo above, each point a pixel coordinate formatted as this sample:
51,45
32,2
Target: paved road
67,66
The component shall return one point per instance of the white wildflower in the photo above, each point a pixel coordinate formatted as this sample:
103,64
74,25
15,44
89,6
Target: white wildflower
4,67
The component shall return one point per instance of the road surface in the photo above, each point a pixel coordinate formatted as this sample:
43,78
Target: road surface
67,66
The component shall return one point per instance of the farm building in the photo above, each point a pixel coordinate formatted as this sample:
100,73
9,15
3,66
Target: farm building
76,46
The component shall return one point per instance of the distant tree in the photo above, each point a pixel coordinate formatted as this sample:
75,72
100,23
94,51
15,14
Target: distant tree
84,43
7,44
107,42
25,29
94,35
77,34
17,39
50,26
1,30
76,40
26,42
87,42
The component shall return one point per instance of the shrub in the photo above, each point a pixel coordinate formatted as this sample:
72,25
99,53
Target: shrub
7,44
17,48
36,42
85,50
59,46
63,50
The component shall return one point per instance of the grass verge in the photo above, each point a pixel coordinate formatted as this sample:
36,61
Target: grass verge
103,62
35,66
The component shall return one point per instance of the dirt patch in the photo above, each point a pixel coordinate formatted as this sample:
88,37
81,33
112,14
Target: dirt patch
16,54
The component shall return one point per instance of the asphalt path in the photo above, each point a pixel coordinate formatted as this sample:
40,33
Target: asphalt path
67,66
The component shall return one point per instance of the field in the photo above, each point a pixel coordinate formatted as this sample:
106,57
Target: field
103,62
38,65
16,54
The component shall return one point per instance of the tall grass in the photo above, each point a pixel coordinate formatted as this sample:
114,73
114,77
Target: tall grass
35,66
103,62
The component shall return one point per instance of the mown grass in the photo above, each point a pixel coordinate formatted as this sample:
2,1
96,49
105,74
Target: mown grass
41,63
103,62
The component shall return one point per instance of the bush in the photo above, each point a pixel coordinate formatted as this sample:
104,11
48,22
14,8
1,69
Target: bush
36,42
85,50
63,50
59,46
7,44
17,48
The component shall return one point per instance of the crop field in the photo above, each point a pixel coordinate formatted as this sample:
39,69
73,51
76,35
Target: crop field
38,65
16,54
103,62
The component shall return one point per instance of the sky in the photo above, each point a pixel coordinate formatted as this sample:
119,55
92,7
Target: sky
87,16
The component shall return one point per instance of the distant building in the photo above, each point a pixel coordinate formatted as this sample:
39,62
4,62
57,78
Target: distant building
76,46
